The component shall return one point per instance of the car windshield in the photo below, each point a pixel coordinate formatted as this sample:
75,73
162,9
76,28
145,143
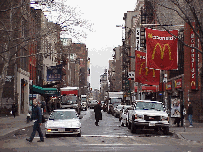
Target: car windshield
83,99
94,101
115,100
129,107
120,107
149,106
69,99
63,115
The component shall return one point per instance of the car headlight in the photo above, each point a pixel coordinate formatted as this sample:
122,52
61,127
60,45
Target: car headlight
165,118
137,116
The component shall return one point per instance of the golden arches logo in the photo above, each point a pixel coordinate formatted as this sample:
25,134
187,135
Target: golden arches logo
153,73
146,71
193,83
162,51
141,67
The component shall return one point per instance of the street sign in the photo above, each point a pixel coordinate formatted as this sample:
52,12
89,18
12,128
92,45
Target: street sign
131,75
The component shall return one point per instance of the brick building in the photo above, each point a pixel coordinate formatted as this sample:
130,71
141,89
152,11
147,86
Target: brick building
76,66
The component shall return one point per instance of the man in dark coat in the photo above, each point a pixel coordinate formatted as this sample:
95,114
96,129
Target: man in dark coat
14,109
190,114
37,117
98,114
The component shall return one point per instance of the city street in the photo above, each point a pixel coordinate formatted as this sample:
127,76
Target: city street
108,136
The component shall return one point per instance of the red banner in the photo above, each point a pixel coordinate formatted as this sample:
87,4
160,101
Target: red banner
161,49
74,92
142,73
169,85
178,83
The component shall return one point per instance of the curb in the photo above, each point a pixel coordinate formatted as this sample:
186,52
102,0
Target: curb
179,136
12,131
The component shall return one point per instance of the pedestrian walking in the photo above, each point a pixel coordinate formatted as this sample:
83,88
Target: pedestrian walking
98,114
14,109
37,118
190,114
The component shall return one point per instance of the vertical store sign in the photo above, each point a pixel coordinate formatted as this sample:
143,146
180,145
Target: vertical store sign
138,39
193,60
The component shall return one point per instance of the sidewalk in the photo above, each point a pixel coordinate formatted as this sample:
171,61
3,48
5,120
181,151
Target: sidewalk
9,124
187,133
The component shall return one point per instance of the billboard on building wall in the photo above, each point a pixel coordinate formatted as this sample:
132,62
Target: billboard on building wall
161,49
175,107
54,73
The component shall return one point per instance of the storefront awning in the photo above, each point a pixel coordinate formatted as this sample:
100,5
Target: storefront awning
148,88
47,91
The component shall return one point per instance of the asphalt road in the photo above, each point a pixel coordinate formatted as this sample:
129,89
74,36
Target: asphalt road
108,136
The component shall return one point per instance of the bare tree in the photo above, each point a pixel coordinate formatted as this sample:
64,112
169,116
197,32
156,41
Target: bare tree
173,13
170,14
15,33
68,17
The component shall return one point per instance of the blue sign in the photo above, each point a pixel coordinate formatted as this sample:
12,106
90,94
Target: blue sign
54,73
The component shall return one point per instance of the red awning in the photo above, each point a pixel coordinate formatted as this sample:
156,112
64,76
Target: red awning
148,88
75,92
69,90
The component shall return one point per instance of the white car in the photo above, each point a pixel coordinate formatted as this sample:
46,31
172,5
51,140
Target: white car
124,115
63,121
149,115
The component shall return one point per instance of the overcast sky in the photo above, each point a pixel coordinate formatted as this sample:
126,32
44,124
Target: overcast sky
105,15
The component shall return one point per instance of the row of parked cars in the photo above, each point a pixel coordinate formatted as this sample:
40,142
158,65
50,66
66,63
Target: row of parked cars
143,114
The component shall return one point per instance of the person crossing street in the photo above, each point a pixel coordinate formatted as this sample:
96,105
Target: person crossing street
37,117
98,114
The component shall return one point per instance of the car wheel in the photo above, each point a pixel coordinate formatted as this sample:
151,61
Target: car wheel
126,124
47,136
166,130
129,125
133,128
120,118
79,134
121,123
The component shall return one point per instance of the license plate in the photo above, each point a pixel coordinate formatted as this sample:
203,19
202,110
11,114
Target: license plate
61,130
151,124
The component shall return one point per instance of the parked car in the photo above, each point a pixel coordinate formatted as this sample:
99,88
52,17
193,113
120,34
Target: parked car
63,121
118,110
148,115
124,115
83,106
92,103
102,103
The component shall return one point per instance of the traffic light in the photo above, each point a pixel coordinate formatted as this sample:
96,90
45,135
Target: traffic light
23,82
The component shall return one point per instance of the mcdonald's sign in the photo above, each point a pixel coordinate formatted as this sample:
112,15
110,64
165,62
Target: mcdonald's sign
178,83
161,49
169,85
142,73
193,59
